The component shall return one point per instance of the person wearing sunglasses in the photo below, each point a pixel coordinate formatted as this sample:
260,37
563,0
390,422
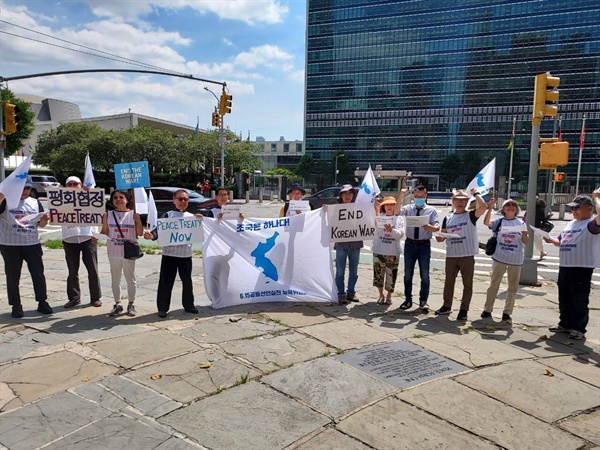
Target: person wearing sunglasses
80,245
20,242
119,225
578,255
175,258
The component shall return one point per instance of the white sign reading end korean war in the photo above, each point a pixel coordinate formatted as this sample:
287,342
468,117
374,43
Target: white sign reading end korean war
72,206
401,364
349,222
179,230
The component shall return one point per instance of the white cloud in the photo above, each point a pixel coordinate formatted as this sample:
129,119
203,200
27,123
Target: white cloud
266,55
249,11
227,42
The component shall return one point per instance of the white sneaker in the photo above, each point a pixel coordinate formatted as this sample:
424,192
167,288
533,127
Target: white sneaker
131,310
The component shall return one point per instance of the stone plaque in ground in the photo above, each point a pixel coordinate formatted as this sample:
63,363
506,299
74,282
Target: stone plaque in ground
401,364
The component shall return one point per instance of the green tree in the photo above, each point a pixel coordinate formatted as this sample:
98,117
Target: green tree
14,141
291,176
450,169
305,166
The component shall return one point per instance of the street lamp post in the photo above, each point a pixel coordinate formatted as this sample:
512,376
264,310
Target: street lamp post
221,140
336,169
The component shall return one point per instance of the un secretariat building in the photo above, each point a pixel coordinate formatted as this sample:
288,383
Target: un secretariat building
405,83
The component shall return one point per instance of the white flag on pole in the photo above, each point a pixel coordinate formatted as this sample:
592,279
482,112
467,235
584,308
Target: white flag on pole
367,192
88,179
141,200
12,186
484,180
152,213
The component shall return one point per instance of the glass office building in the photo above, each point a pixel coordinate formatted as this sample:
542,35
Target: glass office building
406,83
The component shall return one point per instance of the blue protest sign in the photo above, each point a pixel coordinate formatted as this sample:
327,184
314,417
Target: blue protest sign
132,175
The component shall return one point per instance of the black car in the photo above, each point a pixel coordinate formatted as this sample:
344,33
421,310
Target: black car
327,196
163,198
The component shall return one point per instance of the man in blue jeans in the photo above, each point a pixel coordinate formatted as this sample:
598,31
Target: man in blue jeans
418,244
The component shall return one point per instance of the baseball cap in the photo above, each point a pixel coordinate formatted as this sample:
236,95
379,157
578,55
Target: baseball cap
73,178
581,200
346,187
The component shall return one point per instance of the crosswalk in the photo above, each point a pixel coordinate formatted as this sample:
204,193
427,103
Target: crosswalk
547,268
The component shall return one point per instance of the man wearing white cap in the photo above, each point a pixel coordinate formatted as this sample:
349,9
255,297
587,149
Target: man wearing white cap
578,255
80,244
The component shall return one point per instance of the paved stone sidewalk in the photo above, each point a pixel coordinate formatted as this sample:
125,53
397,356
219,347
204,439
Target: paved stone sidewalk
269,376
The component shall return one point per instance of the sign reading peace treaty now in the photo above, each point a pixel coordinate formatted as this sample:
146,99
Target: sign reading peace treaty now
268,260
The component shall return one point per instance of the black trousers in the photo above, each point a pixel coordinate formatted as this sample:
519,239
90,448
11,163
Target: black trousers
13,256
574,285
87,252
169,266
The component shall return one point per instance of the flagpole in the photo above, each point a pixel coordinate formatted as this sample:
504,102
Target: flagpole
581,141
512,148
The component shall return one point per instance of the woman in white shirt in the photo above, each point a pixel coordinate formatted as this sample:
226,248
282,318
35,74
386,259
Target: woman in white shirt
120,225
508,256
386,248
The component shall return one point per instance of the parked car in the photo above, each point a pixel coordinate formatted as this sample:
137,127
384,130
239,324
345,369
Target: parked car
41,183
327,196
163,198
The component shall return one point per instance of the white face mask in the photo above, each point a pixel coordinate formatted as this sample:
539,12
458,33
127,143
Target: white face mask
419,202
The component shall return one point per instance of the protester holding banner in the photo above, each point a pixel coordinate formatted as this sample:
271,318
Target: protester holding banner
19,241
386,248
295,193
508,256
578,255
346,251
175,258
119,225
461,248
80,244
417,245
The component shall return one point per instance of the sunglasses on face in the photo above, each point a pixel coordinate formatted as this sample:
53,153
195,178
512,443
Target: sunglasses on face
182,199
575,208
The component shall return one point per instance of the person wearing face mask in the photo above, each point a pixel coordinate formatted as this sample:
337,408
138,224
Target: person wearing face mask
417,245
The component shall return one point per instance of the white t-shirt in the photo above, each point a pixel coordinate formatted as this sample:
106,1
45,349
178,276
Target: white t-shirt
578,246
389,243
115,244
461,224
510,249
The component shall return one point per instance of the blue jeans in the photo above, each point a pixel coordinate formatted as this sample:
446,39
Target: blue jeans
412,254
353,256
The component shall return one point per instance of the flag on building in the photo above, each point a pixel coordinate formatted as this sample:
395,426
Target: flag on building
511,144
582,136
559,133
88,178
197,130
12,186
484,180
267,260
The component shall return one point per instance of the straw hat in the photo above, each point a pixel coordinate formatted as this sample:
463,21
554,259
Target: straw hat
388,201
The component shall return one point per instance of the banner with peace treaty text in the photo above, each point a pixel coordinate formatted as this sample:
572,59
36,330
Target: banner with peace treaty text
268,260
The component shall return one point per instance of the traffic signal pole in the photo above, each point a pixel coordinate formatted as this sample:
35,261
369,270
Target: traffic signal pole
529,269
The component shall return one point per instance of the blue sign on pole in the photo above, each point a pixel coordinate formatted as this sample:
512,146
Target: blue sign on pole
132,175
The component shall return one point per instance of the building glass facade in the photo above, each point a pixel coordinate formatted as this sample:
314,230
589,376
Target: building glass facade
406,83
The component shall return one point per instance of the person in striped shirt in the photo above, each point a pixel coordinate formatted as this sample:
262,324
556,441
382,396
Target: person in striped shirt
175,258
508,256
20,242
578,255
461,250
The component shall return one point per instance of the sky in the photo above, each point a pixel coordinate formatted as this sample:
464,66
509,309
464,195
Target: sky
256,46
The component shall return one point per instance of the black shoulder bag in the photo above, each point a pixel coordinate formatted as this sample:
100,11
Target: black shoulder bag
490,246
131,250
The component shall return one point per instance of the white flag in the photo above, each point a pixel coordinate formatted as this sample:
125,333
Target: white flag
367,192
141,200
152,213
12,186
368,189
484,180
88,179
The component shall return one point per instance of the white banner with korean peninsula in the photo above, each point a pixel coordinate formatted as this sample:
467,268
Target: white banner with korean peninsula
76,207
268,260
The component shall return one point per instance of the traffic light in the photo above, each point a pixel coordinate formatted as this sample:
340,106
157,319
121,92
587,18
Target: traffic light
559,177
553,154
11,118
545,97
225,104
216,120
